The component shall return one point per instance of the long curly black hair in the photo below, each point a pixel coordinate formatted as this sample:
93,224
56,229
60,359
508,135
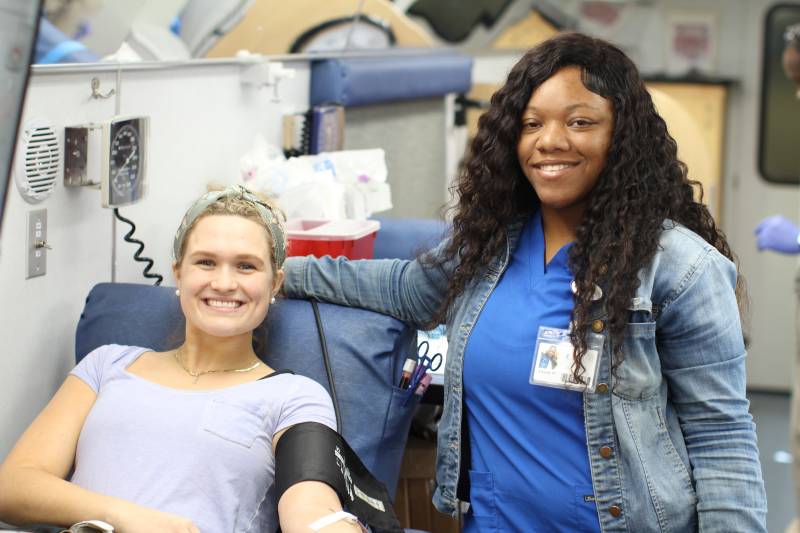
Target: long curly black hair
642,184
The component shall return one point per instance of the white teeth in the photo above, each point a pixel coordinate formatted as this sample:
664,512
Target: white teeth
224,303
554,168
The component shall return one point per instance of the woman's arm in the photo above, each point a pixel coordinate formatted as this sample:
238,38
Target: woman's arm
406,290
32,484
702,356
306,502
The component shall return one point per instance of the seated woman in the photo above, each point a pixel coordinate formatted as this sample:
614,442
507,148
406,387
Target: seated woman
182,440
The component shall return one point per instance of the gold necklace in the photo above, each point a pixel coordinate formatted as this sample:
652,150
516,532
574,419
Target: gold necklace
196,375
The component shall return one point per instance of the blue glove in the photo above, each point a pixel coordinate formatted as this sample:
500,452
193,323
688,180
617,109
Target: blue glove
779,234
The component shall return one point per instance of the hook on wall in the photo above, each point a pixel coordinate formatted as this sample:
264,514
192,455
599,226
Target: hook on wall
266,74
96,90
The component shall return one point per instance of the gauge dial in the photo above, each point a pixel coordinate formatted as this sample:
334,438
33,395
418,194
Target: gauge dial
124,160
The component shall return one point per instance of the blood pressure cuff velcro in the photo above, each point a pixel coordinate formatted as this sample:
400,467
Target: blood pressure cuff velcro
314,452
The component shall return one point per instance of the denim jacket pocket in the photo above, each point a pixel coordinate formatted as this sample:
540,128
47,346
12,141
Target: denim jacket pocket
638,375
234,423
672,454
670,501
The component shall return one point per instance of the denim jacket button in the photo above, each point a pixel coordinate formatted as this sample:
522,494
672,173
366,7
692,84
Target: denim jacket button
598,326
615,510
602,387
606,452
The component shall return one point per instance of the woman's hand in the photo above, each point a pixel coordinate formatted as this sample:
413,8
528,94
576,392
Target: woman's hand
778,234
131,518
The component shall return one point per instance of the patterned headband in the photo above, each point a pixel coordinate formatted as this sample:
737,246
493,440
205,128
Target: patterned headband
791,35
265,212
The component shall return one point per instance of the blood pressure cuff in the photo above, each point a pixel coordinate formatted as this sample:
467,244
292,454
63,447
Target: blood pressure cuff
314,452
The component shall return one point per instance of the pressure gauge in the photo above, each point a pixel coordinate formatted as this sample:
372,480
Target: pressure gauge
124,149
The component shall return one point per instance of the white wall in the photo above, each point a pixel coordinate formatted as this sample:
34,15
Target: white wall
748,198
202,120
412,134
38,319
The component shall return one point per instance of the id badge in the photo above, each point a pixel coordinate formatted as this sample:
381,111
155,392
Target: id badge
554,358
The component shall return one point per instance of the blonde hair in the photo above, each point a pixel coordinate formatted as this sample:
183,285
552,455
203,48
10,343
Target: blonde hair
234,202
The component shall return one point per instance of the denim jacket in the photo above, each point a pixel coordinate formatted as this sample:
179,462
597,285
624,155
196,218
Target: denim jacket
671,443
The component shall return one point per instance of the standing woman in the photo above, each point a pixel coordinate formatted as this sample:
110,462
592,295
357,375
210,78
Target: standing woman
576,226
182,440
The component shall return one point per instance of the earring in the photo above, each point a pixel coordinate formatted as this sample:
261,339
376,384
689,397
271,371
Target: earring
272,301
177,292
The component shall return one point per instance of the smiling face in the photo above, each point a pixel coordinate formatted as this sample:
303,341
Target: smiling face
564,140
225,276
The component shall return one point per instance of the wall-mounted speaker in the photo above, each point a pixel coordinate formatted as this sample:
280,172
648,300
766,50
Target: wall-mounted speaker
37,161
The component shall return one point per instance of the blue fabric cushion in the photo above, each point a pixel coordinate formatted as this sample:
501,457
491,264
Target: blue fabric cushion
360,81
405,238
367,351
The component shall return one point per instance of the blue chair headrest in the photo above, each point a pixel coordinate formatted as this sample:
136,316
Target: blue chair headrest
405,238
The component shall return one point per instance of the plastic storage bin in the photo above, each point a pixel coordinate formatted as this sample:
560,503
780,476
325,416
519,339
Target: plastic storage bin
354,239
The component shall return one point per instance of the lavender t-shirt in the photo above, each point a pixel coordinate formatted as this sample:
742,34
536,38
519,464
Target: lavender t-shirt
205,455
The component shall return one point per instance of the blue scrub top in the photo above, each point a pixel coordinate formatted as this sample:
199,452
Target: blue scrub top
530,465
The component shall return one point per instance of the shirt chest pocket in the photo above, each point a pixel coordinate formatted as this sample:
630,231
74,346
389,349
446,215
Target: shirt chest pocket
638,375
236,423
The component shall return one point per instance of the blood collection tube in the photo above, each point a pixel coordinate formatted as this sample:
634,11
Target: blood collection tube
408,369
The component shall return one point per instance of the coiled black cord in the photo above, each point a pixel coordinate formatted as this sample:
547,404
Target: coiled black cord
137,255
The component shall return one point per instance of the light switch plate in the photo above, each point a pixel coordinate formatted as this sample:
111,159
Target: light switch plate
37,243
